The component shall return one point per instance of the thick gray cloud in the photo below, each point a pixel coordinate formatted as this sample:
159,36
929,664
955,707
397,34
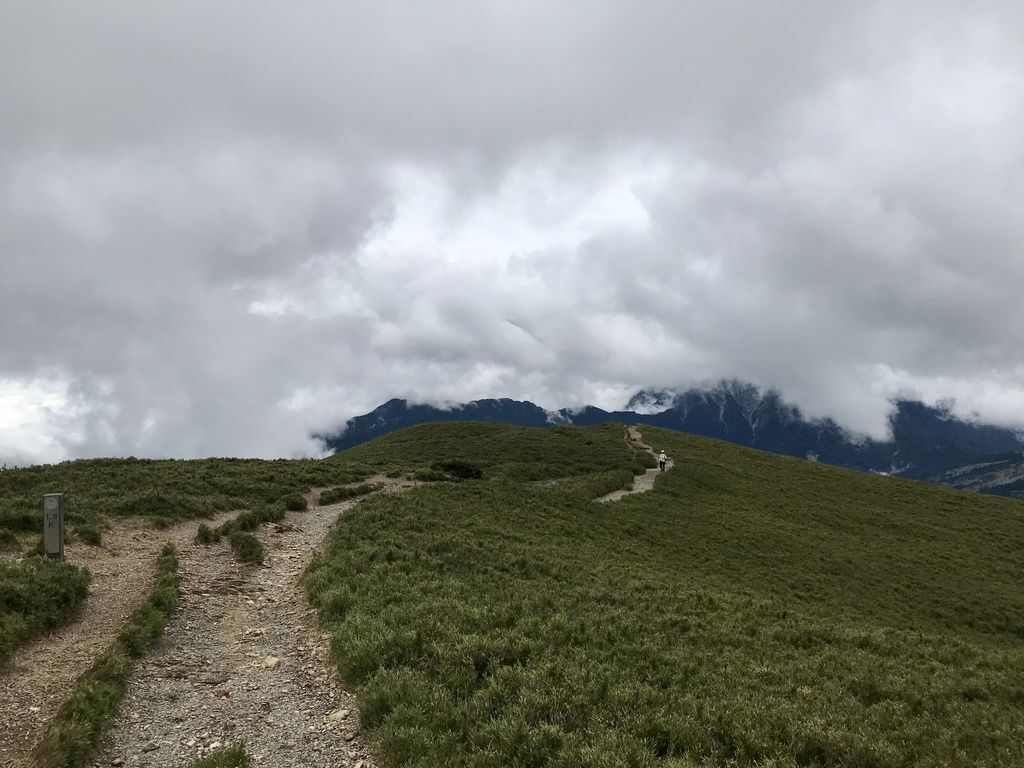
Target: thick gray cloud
223,226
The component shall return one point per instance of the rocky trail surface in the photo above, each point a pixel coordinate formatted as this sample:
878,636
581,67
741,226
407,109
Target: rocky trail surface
244,660
641,483
43,673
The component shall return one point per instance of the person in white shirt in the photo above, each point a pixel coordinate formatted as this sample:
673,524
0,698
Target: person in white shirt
662,460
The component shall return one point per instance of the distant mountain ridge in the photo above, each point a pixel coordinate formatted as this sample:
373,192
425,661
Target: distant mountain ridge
927,443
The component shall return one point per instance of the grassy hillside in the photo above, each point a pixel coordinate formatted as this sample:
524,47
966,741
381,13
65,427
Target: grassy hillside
166,491
751,610
37,595
509,452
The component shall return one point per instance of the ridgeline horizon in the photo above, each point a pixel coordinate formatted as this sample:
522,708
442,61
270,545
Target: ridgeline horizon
926,443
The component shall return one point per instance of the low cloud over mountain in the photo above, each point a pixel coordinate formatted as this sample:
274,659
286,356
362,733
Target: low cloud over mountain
223,225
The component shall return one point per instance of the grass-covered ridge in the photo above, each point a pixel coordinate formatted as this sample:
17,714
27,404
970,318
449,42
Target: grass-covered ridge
513,453
164,491
168,491
751,610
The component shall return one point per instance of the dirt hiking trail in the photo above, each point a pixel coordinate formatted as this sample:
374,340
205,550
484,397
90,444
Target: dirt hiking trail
244,660
43,673
641,483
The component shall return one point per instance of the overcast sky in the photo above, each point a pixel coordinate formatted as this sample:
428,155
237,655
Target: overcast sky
225,225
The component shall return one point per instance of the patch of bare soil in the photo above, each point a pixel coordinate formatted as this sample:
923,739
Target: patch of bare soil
641,483
244,660
44,672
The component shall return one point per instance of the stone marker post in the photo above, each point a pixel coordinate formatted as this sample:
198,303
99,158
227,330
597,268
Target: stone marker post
53,524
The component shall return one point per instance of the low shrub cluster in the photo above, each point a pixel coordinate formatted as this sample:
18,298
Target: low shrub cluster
429,475
37,594
234,756
246,547
252,519
20,517
344,493
598,484
91,532
168,506
244,544
248,520
71,738
447,470
459,469
643,461
207,535
294,502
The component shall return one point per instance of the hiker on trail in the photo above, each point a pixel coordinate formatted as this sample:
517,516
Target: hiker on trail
662,460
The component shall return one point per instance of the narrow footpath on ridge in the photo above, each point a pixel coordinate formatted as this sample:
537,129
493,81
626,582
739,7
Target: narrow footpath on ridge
244,660
641,483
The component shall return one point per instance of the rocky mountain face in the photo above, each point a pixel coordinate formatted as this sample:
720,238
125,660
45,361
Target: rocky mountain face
927,443
1002,475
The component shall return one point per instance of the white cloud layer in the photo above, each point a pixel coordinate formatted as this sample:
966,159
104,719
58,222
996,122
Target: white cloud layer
225,226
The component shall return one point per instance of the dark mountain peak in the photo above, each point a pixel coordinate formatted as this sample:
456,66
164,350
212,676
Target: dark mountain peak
499,402
394,405
748,399
398,413
916,424
747,396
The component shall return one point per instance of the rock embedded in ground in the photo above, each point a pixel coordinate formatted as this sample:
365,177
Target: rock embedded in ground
337,716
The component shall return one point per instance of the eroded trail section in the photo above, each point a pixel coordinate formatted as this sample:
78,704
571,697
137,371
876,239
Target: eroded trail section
641,483
45,672
244,660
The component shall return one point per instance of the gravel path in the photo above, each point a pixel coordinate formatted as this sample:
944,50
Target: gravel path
641,483
244,660
44,672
